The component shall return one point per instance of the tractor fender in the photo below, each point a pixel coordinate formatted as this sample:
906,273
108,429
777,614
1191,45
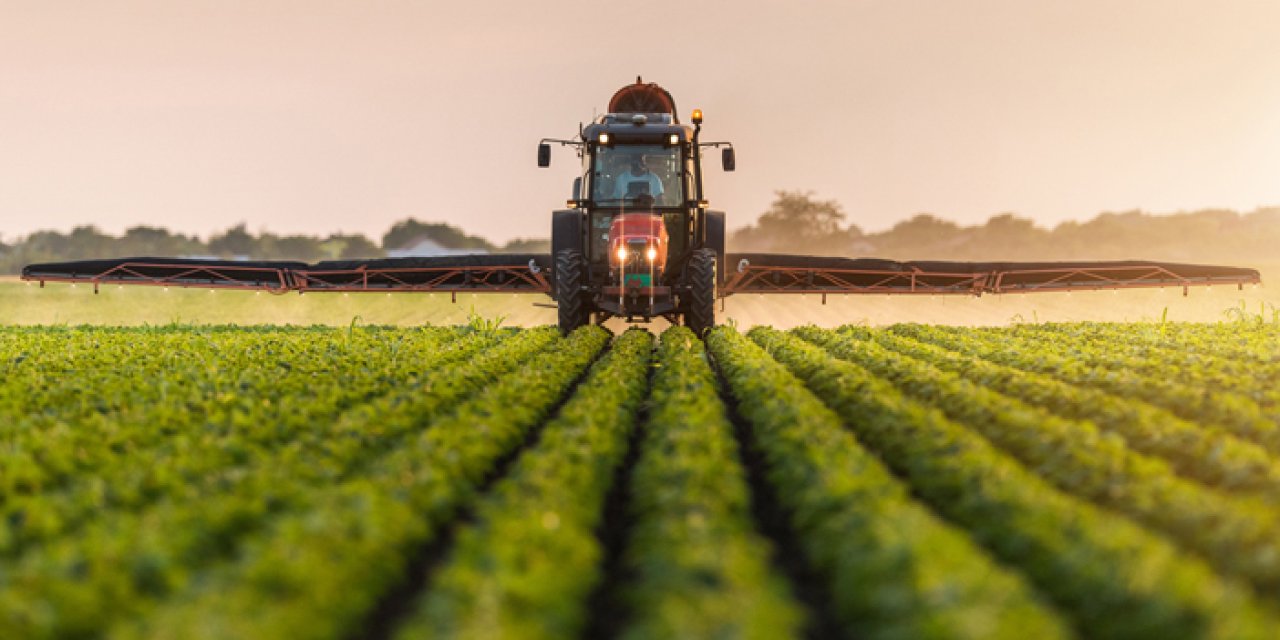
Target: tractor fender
566,233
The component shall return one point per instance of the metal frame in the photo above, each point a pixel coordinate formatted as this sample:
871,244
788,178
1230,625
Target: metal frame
803,280
499,279
476,279
753,279
184,275
520,278
1096,278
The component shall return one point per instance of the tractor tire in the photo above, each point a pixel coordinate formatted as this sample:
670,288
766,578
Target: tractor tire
571,307
700,314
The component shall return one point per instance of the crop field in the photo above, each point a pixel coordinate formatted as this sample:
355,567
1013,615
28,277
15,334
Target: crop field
914,481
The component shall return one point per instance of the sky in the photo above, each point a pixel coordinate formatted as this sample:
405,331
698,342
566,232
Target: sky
320,117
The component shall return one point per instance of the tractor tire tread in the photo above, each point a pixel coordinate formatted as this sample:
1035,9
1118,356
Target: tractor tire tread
571,307
701,313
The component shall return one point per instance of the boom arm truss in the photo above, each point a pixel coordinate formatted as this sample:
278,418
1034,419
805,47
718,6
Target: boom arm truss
746,273
780,274
515,273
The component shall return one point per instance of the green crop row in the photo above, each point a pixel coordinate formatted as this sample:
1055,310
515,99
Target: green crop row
120,564
1113,578
1091,480
1237,342
120,406
698,568
890,568
1111,346
1238,415
320,572
120,397
186,462
1252,389
1209,455
1237,535
525,567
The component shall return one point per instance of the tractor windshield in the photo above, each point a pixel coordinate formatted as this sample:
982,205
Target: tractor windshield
623,173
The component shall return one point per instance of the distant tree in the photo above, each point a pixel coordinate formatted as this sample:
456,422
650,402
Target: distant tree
303,248
798,213
340,246
235,241
797,222
88,241
1006,236
155,241
527,245
925,228
407,232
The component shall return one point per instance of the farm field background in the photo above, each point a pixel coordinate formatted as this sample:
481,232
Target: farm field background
27,304
1039,480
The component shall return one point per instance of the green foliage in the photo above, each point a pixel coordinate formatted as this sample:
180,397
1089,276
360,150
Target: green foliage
1209,455
88,242
527,245
892,569
296,581
233,482
524,569
481,324
1112,577
1184,390
795,221
235,241
409,231
1236,534
214,484
700,570
1266,312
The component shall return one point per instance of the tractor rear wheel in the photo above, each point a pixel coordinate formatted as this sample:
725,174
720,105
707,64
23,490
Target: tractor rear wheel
570,272
700,314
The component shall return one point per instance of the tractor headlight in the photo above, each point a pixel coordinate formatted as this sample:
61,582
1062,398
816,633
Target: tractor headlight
622,254
651,254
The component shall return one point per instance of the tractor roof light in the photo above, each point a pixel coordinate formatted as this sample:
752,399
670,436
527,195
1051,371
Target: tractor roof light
651,254
697,116
673,139
604,138
622,254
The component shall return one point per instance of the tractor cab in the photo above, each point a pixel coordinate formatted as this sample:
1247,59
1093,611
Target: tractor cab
631,180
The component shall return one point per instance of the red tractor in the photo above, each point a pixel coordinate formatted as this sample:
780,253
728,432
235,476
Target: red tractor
638,241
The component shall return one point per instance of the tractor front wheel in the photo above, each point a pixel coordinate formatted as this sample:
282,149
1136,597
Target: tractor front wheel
700,314
570,278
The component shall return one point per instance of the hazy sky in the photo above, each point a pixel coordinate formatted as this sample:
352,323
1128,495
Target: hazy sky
317,117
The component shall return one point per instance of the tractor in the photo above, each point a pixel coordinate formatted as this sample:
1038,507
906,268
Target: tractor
637,240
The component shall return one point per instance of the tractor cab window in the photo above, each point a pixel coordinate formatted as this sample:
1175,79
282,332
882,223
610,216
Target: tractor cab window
623,173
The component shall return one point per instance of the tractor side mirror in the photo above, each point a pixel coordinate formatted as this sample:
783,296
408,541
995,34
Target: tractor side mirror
577,188
727,159
544,155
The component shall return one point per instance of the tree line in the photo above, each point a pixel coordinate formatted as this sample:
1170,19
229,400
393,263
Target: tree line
87,242
796,222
